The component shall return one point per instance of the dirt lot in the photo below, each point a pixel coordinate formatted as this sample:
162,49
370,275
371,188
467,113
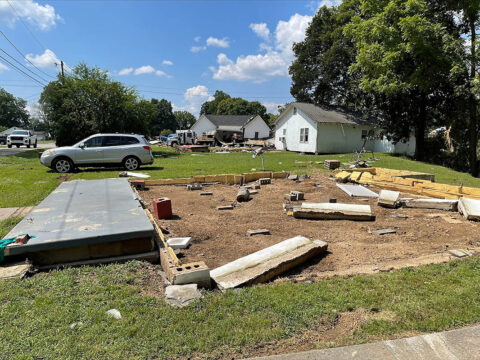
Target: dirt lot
219,237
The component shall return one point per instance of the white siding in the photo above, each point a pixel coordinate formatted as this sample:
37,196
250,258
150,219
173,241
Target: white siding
257,125
203,125
339,139
293,123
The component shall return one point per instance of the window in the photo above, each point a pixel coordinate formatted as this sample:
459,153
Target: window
119,140
94,142
284,132
364,134
304,135
294,111
256,135
129,140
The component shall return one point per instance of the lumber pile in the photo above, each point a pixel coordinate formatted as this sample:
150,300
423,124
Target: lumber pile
407,182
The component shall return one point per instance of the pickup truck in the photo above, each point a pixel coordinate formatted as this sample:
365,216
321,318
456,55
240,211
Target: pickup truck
22,137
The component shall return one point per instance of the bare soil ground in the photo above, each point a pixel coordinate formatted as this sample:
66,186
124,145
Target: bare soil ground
219,237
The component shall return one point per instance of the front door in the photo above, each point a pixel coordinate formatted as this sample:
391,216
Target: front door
92,153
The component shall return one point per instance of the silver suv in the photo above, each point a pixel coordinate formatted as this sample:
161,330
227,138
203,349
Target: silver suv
129,151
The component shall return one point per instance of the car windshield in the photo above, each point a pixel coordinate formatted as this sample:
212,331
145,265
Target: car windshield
20,132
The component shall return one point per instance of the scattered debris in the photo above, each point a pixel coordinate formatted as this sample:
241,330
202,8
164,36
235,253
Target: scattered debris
114,313
388,199
164,229
162,208
179,243
225,207
138,184
293,177
331,164
384,232
357,191
469,208
182,295
253,192
133,174
15,270
267,263
178,274
399,216
194,186
256,186
243,194
206,193
265,181
258,232
440,204
295,196
329,211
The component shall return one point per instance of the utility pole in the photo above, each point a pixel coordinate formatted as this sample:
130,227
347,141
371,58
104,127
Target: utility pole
61,64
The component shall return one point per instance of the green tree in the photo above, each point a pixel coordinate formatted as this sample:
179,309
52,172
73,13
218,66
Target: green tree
184,119
239,106
320,72
403,54
88,101
164,118
12,110
210,107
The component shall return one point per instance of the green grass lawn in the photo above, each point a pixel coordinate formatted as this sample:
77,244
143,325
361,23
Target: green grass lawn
24,181
36,313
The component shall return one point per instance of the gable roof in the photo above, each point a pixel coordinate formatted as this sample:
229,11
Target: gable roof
230,120
329,114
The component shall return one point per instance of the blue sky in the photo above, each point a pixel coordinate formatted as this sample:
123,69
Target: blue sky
179,50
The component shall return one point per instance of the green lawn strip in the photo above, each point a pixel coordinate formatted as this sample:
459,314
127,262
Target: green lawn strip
7,224
425,299
25,182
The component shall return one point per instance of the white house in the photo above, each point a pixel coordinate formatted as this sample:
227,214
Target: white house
309,128
251,126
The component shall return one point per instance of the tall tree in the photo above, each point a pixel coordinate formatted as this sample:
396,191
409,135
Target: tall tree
184,119
210,107
164,118
88,101
403,53
12,110
320,71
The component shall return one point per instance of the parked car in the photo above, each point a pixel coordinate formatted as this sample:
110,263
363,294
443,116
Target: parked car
128,150
22,137
182,137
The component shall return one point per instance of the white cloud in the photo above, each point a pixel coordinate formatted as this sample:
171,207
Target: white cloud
162,73
261,30
195,97
167,62
196,49
146,69
3,68
126,71
43,17
197,38
272,107
45,60
275,61
221,43
315,5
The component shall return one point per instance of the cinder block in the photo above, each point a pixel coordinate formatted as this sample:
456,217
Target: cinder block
162,208
191,273
195,186
298,195
265,181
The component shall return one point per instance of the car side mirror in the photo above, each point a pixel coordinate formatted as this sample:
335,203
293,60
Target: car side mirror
82,145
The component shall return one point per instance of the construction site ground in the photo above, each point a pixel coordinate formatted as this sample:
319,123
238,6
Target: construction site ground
219,237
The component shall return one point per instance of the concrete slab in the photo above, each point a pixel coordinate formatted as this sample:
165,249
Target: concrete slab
333,211
388,199
16,270
439,204
179,242
461,344
357,191
469,208
182,295
265,264
83,213
6,213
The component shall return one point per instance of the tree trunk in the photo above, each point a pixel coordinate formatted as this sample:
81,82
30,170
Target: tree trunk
473,123
420,126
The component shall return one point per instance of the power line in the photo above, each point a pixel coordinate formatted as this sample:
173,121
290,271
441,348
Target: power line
11,43
20,70
18,62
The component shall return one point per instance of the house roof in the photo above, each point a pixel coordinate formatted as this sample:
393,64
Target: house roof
238,121
330,114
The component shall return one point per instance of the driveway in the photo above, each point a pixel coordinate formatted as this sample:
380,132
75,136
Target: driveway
4,151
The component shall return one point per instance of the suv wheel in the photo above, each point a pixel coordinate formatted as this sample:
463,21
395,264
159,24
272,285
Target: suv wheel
63,165
131,163
10,146
28,145
35,145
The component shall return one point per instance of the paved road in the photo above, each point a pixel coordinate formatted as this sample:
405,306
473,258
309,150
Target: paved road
462,344
4,151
